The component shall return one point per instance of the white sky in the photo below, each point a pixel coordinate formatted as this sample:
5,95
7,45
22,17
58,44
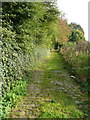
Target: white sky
75,11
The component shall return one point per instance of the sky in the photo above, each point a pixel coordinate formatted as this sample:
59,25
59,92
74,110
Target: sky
75,11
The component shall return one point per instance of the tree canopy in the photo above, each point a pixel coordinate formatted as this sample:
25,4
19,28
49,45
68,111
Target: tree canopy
77,33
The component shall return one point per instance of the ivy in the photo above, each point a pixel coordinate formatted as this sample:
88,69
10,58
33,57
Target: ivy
26,40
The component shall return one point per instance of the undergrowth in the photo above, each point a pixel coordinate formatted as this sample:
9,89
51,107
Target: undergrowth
56,110
9,98
77,55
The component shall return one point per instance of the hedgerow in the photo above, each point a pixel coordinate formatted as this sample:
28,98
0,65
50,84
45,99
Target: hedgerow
77,55
26,40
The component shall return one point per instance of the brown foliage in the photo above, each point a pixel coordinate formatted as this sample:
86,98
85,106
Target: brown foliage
64,30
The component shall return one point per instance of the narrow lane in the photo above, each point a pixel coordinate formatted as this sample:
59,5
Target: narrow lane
52,93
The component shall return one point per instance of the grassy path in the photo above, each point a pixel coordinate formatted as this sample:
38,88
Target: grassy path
52,93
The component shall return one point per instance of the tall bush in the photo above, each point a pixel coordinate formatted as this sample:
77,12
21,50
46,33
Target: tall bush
77,33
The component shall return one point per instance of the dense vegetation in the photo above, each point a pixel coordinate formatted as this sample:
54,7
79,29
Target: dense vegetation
29,31
50,93
77,33
77,56
25,26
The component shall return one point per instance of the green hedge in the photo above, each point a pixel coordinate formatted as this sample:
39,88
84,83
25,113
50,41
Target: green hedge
26,31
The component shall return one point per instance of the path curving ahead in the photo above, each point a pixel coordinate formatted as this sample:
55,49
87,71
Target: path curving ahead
52,93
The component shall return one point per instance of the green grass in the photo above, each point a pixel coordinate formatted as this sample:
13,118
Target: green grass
53,103
57,110
61,104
